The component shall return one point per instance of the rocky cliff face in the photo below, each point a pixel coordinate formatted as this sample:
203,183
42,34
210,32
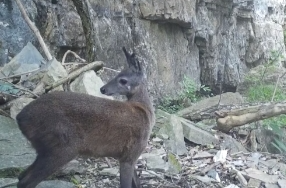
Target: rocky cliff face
202,39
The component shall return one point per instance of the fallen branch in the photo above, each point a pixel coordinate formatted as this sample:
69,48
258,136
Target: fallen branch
34,29
91,66
76,56
110,69
15,75
229,119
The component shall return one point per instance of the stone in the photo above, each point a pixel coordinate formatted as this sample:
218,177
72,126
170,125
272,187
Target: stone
213,174
173,128
5,182
231,144
13,39
29,59
174,166
89,83
179,12
109,172
73,167
253,183
56,184
271,185
282,183
17,105
16,151
55,71
155,162
197,135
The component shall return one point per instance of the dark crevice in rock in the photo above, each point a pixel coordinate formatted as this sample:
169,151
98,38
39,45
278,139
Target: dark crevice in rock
82,10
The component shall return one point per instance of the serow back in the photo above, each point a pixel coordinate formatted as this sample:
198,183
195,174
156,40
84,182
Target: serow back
64,125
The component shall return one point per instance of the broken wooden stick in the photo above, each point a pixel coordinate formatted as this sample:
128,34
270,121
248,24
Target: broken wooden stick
226,120
76,56
91,66
35,30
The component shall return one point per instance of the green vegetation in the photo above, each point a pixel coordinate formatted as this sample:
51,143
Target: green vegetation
10,172
262,91
190,92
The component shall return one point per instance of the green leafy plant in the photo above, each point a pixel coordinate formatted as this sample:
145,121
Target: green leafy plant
263,92
190,91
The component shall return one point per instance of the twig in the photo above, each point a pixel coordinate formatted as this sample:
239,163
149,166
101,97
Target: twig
34,29
276,85
110,69
20,74
76,56
94,65
108,162
75,63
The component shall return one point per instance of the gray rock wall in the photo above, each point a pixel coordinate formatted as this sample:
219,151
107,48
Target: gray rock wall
172,38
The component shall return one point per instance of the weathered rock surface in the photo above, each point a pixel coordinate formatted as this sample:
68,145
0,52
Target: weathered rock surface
16,151
18,105
55,184
172,127
27,60
14,32
198,39
155,162
55,71
11,183
196,134
88,83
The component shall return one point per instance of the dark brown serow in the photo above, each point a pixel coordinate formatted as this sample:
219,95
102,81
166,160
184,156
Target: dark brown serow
64,125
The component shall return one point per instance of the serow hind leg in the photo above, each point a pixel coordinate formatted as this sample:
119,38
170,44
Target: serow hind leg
126,174
43,167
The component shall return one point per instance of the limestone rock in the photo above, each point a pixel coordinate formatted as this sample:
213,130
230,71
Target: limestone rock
231,144
180,12
55,184
6,182
155,162
197,135
55,71
18,105
13,39
88,83
28,59
73,167
16,151
174,166
173,128
109,172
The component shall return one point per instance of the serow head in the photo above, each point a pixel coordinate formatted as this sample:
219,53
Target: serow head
126,82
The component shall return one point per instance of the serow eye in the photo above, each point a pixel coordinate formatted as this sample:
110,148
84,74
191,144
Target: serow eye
123,81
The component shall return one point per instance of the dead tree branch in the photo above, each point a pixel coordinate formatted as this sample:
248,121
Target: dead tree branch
91,66
35,30
76,56
229,119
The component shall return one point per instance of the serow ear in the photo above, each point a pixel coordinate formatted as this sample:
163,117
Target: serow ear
133,63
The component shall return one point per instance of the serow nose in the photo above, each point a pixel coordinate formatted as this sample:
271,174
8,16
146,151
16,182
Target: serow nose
102,90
